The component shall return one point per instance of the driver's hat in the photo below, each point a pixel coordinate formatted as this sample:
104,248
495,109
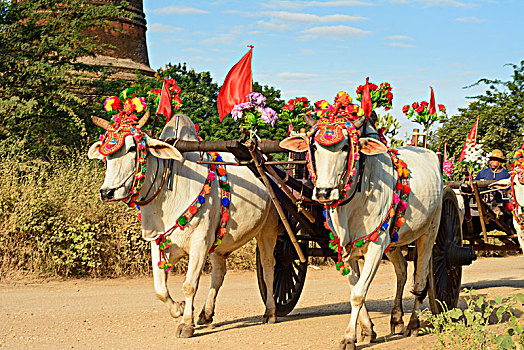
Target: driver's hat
497,154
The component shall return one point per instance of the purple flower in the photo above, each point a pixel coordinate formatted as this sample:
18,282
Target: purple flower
269,116
257,99
236,113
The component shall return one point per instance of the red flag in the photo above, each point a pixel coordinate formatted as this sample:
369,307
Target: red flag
164,106
366,103
432,110
289,129
470,141
237,85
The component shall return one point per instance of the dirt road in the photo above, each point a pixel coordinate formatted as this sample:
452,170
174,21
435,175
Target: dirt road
125,314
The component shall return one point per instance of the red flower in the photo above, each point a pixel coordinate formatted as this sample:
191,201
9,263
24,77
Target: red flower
420,109
303,99
389,96
423,103
442,108
415,105
373,86
360,89
291,108
405,109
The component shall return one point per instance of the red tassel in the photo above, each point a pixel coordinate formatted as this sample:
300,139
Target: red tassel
374,236
139,216
387,249
406,189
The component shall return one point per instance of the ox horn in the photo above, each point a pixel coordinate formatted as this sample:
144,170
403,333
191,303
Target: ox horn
104,124
309,121
144,119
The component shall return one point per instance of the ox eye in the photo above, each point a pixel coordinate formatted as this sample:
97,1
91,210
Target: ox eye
345,148
132,149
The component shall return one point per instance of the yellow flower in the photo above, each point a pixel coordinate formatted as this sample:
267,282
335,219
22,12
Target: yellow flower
138,104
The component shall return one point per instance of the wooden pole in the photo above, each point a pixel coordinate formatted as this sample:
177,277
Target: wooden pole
480,208
414,138
254,153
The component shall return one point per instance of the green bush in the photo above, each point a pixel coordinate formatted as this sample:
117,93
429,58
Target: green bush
485,324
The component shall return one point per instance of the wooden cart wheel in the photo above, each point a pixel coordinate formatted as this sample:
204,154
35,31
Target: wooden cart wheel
445,272
289,278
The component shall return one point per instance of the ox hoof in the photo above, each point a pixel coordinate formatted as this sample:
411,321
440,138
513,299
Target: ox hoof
412,328
347,344
269,318
397,328
366,337
185,331
203,319
177,309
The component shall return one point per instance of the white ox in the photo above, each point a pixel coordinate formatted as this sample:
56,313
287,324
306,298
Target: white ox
361,215
252,214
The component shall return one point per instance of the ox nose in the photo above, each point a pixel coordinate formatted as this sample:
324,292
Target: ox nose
108,194
322,193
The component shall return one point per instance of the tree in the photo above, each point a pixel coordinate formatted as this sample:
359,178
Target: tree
501,112
46,93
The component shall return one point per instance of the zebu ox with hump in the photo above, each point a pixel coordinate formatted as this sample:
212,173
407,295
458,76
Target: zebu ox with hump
357,179
250,210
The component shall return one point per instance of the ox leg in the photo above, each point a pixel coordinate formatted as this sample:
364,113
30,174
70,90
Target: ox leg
372,260
520,235
399,263
160,284
197,258
367,334
266,245
420,287
218,263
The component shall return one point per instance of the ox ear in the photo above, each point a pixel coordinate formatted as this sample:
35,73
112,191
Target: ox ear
163,150
371,147
94,151
295,143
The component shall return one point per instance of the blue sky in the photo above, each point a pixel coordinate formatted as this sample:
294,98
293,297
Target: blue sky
317,48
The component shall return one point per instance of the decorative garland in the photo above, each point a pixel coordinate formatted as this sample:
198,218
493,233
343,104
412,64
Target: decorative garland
215,171
518,171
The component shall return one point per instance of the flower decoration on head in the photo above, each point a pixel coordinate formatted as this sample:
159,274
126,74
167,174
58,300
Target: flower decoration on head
294,111
112,105
381,96
254,112
425,113
175,91
322,108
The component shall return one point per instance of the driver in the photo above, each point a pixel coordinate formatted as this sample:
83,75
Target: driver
495,170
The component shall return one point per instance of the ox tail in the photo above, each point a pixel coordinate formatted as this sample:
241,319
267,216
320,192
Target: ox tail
420,295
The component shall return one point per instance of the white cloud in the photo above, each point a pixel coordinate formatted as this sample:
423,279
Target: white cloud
310,18
338,32
274,26
163,28
301,4
452,3
224,38
399,44
296,92
306,52
289,75
400,37
470,20
176,10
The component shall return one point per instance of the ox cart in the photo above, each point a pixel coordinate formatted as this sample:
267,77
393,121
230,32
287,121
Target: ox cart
306,236
486,209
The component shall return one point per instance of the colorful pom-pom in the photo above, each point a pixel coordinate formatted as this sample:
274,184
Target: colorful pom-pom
400,222
213,167
225,217
182,220
396,198
392,212
374,236
394,238
211,176
222,231
222,172
403,205
207,189
359,244
139,216
326,225
192,210
219,158
406,189
398,187
225,202
201,199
